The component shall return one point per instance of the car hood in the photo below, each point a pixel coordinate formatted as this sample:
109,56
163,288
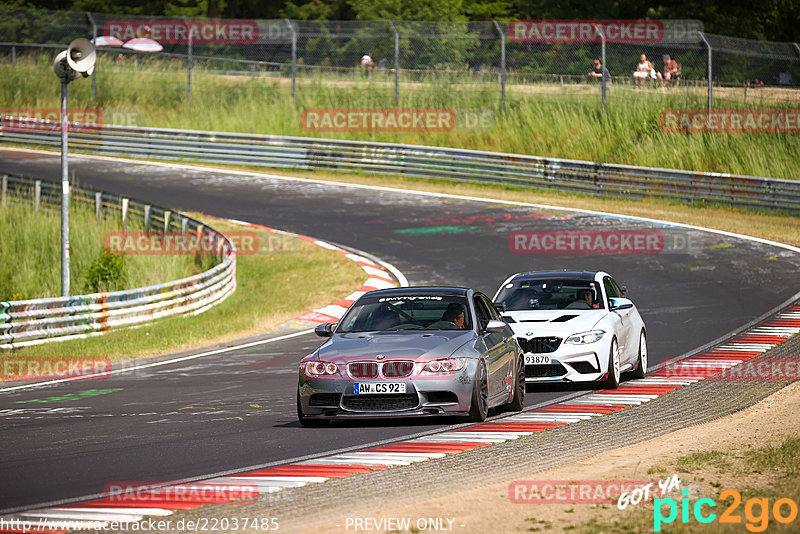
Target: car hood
394,345
535,323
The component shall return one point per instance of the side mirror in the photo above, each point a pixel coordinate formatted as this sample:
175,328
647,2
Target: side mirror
624,289
501,306
324,329
620,303
496,327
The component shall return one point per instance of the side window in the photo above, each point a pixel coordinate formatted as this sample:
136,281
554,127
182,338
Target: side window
483,313
493,313
610,287
616,286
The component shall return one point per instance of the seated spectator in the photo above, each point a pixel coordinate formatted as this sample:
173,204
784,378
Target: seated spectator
672,71
598,71
644,70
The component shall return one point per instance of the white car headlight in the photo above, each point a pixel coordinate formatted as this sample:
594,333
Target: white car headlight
585,337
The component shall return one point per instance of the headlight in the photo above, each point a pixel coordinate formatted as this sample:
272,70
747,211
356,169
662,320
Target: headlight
321,368
446,365
585,337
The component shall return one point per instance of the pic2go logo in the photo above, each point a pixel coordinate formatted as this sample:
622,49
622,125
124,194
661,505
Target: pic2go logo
756,511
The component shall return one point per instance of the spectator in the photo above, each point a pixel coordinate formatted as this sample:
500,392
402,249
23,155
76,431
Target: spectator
598,71
367,64
644,70
672,71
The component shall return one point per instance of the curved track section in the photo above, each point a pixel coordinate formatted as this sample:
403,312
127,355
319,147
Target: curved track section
235,411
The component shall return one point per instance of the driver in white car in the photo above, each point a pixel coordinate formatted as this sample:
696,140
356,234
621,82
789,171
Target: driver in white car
587,296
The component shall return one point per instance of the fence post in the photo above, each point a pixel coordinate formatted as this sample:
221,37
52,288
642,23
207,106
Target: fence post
396,62
37,194
125,202
708,46
184,224
502,65
147,217
189,63
98,205
602,66
13,54
94,71
167,217
3,189
797,47
294,55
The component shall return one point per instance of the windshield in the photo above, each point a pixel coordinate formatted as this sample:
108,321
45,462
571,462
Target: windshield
407,312
550,295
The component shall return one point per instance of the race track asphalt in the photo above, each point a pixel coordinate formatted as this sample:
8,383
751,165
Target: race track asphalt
237,410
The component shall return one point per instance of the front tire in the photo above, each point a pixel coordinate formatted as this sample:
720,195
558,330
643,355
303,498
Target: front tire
304,420
479,407
612,382
641,364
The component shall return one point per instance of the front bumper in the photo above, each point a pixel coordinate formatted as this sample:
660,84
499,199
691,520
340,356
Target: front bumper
334,398
571,363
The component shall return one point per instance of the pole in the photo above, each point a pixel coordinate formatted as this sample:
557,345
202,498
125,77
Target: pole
396,63
502,65
797,47
64,191
603,69
94,40
294,55
188,63
708,46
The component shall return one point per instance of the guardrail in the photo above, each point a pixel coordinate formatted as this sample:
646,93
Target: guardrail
413,160
36,321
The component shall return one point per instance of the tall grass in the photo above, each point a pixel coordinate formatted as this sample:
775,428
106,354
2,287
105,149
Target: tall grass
30,255
541,119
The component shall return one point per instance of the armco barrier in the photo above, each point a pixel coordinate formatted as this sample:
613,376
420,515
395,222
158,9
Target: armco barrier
32,322
417,161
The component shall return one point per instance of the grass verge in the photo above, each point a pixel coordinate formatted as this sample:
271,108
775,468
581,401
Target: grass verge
541,119
30,255
310,274
757,477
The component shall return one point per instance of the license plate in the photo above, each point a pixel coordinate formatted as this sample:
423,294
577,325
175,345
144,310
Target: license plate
537,359
366,388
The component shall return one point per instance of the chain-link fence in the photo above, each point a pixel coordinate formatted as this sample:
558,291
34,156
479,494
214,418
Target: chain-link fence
404,56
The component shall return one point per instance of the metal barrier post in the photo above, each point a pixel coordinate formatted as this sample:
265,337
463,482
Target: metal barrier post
396,62
797,47
3,189
13,54
147,208
708,46
294,55
98,204
37,194
94,71
502,65
167,215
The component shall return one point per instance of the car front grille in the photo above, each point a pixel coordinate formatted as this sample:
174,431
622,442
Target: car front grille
542,371
397,369
363,369
380,403
539,344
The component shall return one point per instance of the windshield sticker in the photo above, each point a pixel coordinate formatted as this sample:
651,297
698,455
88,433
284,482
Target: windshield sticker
410,297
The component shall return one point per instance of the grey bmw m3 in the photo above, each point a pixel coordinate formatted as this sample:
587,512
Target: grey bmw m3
413,351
